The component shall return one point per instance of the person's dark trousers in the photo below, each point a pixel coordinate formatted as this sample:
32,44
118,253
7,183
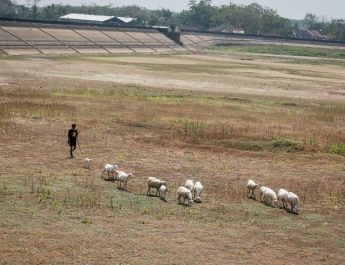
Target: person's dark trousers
73,147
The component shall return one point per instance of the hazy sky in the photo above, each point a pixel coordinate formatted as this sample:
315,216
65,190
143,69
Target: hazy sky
287,8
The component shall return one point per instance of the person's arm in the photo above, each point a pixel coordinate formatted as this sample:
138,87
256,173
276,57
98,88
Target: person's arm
69,136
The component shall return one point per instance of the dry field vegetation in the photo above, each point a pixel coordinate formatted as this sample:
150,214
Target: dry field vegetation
221,119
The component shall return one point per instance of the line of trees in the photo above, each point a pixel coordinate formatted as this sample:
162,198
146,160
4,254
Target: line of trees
253,18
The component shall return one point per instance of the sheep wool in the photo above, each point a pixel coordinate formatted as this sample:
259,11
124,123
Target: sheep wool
87,162
251,186
198,188
282,198
154,183
294,202
122,177
184,194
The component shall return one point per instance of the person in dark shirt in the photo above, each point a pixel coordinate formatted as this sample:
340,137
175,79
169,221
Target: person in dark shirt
72,139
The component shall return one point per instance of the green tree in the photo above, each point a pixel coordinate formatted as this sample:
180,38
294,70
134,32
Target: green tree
337,28
7,9
311,20
200,13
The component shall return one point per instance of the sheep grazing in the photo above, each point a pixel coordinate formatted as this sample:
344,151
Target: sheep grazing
198,188
87,162
251,186
122,177
293,200
162,192
282,198
270,197
189,184
110,169
184,193
154,183
262,191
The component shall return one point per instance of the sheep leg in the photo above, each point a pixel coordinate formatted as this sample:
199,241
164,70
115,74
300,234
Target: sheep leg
148,190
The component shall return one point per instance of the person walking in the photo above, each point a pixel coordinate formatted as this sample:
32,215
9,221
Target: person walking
72,139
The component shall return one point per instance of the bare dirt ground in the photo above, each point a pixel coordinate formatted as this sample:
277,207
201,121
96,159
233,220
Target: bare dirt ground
208,117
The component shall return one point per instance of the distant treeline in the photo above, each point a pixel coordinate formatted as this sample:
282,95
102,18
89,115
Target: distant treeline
253,18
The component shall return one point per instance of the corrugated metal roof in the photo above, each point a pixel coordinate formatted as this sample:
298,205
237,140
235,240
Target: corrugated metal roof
96,18
87,17
126,19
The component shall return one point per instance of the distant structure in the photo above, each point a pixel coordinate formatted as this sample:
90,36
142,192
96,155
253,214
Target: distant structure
312,34
98,19
190,28
226,28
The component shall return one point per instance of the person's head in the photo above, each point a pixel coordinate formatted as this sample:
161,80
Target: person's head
74,126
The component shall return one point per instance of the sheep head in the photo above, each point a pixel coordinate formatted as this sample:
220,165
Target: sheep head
276,203
198,200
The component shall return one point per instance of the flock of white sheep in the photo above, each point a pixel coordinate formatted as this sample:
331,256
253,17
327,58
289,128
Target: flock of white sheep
268,196
191,191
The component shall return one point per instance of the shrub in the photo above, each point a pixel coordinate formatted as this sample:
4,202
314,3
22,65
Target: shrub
338,149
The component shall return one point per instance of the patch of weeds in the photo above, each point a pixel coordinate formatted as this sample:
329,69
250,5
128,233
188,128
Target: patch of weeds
162,213
325,117
90,199
5,190
43,194
86,221
286,144
57,206
278,145
289,104
338,149
194,128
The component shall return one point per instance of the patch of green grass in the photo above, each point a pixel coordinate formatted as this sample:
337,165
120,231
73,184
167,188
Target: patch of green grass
283,50
338,149
279,145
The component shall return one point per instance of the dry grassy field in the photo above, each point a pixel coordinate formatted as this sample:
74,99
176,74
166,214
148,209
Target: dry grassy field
219,118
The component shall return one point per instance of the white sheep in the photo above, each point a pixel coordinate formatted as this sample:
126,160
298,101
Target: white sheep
282,197
189,184
251,186
198,188
184,193
110,169
262,190
122,177
293,200
162,192
87,162
154,183
270,197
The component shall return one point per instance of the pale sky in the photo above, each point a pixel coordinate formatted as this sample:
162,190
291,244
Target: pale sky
295,9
